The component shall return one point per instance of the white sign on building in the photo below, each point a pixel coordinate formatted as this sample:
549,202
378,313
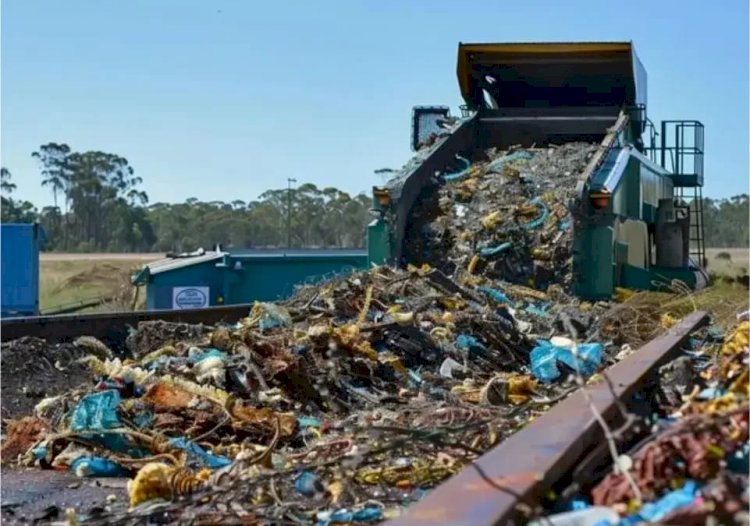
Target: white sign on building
189,297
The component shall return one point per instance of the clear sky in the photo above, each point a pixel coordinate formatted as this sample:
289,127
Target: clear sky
224,99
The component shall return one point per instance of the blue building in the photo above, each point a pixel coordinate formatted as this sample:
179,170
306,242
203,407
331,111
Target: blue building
211,278
21,243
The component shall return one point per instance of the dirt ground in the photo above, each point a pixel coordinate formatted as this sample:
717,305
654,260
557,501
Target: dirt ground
99,256
32,370
34,496
730,262
65,279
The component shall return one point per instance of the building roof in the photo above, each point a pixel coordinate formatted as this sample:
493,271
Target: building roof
173,263
291,252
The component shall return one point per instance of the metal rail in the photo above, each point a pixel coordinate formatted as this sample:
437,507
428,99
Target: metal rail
112,327
519,469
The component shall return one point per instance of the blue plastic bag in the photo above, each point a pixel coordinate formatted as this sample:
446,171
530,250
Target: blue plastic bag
308,484
656,511
308,421
536,311
495,294
545,358
208,353
98,412
198,454
97,467
470,343
346,516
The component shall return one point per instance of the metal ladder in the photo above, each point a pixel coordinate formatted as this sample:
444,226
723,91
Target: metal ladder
697,235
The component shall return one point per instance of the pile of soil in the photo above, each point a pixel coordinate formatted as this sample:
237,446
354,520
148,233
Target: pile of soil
31,370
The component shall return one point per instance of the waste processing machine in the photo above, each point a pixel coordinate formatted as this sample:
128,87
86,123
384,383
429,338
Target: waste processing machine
637,216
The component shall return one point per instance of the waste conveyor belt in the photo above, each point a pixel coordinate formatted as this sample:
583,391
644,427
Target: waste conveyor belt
563,446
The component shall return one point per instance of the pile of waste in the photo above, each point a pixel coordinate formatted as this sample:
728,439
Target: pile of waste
504,216
692,468
345,403
352,399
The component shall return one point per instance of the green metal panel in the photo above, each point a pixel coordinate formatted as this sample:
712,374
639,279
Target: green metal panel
661,275
635,278
378,243
655,278
269,278
648,214
595,263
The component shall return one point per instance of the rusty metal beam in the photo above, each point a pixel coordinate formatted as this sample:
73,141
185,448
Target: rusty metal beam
112,326
533,459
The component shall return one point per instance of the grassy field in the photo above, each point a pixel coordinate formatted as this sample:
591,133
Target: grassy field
69,278
65,281
731,262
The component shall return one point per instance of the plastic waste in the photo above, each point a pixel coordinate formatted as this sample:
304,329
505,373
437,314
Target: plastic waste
457,176
308,421
561,341
497,164
491,220
97,467
345,516
273,316
204,354
655,511
536,311
449,366
739,460
199,455
493,251
414,377
715,333
308,484
495,295
98,412
539,221
144,419
593,516
710,393
470,343
545,357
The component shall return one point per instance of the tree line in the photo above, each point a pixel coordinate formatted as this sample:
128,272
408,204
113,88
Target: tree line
99,205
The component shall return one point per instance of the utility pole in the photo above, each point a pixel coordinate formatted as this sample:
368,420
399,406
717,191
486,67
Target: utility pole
289,211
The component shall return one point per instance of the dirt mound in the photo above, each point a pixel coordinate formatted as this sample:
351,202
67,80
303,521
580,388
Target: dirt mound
32,370
152,335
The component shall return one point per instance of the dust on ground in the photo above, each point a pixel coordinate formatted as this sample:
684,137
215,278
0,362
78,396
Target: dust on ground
31,370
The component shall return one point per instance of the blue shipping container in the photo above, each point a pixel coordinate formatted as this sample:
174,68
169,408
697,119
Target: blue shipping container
20,245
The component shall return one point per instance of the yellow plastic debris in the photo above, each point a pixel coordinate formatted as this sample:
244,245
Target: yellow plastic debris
403,318
151,482
667,320
473,264
622,294
491,220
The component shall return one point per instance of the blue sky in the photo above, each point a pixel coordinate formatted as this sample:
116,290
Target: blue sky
224,99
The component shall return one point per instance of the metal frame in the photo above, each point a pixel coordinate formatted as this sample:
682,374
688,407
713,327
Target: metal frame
678,149
419,112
